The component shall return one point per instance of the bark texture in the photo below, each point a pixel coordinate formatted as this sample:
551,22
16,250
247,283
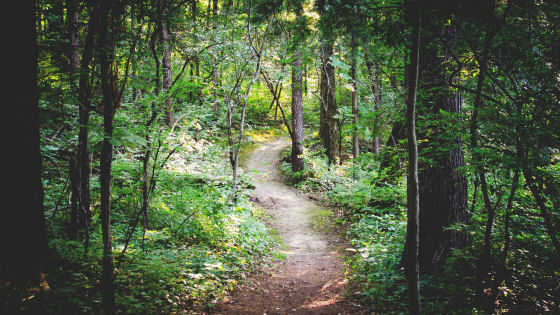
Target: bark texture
329,124
166,64
443,188
297,114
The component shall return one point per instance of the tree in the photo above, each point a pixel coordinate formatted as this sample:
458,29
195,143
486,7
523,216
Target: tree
111,12
22,231
329,125
166,60
297,114
413,222
443,186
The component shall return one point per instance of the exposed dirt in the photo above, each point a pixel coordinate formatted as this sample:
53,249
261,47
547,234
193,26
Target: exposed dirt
311,280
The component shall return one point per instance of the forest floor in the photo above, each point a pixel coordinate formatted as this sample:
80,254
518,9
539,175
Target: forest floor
311,280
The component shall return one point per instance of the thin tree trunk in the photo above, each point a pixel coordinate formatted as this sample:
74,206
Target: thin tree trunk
376,92
73,54
355,114
110,99
166,64
234,151
485,261
84,91
413,222
149,123
507,218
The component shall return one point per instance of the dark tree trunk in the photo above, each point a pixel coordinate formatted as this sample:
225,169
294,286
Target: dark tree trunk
23,236
297,114
507,218
109,14
485,259
72,20
443,188
84,91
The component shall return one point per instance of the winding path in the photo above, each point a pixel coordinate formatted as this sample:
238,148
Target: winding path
311,280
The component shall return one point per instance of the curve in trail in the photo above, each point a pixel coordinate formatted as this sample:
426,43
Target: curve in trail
311,280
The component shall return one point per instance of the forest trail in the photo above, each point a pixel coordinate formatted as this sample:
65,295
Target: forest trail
311,279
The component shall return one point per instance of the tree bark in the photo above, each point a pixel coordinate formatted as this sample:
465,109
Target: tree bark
443,188
297,114
329,124
166,63
109,13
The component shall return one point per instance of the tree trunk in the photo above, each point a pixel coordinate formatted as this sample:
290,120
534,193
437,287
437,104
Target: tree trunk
329,124
443,188
23,236
413,236
110,101
297,114
84,91
72,18
166,64
355,114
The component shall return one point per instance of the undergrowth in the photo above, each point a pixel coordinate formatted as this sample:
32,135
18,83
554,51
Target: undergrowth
374,221
198,245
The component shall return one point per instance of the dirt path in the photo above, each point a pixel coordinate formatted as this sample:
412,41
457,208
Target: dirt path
311,280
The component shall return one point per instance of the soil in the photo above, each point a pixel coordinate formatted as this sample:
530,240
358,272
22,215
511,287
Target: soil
311,280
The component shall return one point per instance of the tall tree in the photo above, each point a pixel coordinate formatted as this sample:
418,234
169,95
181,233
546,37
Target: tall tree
355,113
297,43
443,186
329,125
413,235
166,59
23,236
111,11
297,113
84,100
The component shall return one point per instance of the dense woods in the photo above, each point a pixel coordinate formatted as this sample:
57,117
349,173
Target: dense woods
431,127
